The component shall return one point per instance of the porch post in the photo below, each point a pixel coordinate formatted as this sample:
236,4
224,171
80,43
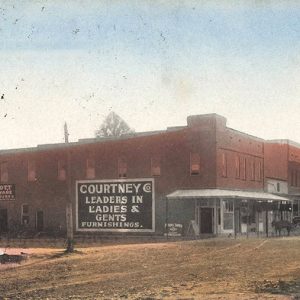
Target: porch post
221,215
257,221
234,227
167,217
215,217
196,212
267,221
248,217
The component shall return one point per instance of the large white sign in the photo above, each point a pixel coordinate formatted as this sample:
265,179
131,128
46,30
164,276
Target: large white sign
115,205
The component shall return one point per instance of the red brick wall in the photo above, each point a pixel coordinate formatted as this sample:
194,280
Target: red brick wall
206,135
276,160
48,193
293,169
236,145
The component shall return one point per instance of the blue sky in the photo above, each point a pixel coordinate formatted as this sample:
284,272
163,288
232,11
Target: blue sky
153,62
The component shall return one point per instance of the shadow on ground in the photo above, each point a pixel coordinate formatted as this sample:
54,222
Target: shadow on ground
282,287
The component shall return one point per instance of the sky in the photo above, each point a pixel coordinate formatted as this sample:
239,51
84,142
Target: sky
152,62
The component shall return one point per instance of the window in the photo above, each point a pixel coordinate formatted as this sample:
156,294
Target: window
224,165
61,170
31,171
228,214
25,209
122,168
155,166
259,171
228,205
244,173
296,208
253,170
237,167
25,214
278,187
4,172
194,163
90,168
294,178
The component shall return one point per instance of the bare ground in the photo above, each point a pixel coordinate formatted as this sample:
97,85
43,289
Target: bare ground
203,269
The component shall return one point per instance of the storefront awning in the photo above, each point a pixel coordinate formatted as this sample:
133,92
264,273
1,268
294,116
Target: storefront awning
218,193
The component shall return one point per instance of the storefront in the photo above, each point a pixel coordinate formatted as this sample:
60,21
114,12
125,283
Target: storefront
228,212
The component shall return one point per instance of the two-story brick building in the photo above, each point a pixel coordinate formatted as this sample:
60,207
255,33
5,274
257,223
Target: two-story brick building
282,170
203,175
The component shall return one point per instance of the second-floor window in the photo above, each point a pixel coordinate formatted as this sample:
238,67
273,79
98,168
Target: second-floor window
294,177
278,187
122,168
90,168
195,163
244,173
4,172
237,167
61,170
155,166
253,170
224,165
259,178
31,170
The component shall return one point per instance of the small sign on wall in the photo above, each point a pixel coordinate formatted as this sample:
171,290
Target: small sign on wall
173,229
7,192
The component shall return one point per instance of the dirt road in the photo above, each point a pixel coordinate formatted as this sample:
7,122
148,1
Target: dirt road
207,269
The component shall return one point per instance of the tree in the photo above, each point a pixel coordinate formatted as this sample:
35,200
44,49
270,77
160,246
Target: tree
113,126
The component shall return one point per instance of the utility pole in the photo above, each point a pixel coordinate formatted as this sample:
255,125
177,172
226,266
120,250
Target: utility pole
69,210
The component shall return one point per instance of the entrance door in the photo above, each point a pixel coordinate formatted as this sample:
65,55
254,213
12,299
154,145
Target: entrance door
39,220
206,220
3,220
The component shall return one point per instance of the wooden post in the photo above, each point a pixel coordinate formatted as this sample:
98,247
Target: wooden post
248,217
70,235
240,219
292,211
234,220
257,222
267,221
215,216
167,217
69,210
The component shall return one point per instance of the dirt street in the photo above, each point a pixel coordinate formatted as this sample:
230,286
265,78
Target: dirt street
203,269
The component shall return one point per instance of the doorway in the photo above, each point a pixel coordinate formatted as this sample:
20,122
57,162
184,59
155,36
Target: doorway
206,219
3,220
40,220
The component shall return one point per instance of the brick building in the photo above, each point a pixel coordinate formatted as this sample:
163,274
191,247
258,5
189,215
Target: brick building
205,176
282,170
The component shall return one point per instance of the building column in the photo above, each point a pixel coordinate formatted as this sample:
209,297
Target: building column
234,229
248,217
215,217
267,221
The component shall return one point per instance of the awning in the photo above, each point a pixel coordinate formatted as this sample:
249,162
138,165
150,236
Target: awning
218,193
